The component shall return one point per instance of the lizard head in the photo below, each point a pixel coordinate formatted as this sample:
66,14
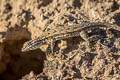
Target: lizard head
33,44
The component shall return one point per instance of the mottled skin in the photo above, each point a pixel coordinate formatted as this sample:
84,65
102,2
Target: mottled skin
66,31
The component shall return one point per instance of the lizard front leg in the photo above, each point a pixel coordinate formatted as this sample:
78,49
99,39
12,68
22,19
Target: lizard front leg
84,35
50,49
51,45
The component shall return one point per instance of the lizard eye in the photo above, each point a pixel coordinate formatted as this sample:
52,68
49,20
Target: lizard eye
29,43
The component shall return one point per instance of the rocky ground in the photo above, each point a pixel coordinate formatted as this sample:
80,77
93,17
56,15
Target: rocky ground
22,20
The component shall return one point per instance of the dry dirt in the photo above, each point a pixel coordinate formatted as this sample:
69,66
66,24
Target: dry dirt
22,20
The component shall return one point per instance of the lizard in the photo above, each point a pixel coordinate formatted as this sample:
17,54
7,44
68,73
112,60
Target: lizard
66,31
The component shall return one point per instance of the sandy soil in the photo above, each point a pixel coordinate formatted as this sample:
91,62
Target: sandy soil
22,20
